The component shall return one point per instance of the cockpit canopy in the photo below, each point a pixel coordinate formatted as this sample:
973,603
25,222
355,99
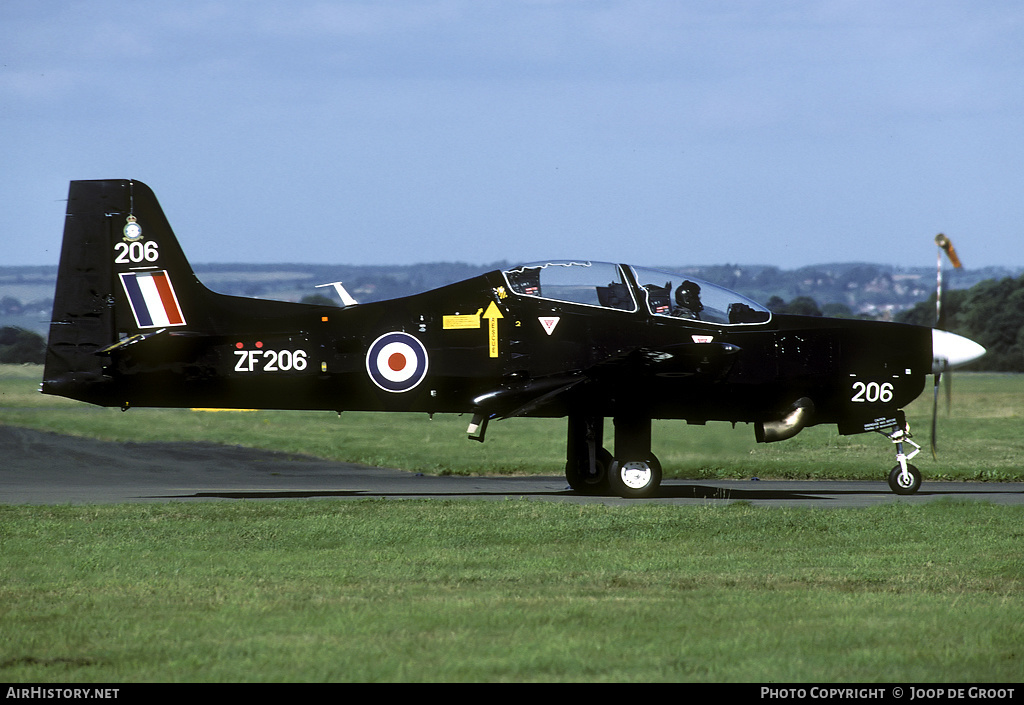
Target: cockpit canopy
629,288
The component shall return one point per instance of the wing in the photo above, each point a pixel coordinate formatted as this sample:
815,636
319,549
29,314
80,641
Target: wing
624,369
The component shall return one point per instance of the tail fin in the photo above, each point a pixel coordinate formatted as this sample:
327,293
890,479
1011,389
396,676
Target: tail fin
124,279
121,274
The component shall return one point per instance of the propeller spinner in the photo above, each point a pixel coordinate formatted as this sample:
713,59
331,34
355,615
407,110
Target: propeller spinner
950,350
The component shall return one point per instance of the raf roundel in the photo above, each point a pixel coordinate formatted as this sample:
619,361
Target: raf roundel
396,362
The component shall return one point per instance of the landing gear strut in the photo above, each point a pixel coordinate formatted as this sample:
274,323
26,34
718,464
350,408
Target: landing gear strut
586,461
904,478
634,471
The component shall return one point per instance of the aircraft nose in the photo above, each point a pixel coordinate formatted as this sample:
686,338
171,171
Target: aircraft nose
950,350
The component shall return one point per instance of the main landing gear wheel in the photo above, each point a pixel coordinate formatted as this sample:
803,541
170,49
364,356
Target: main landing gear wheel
584,482
904,482
635,479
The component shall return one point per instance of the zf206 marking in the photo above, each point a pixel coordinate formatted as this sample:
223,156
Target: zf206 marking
136,252
270,360
872,392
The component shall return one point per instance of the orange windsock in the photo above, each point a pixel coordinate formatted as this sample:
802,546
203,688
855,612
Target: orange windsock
947,246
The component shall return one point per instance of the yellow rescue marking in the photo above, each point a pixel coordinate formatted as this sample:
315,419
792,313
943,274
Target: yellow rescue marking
492,315
464,321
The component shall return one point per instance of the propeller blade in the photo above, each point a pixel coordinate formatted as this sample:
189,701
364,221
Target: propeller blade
948,349
940,321
949,392
935,415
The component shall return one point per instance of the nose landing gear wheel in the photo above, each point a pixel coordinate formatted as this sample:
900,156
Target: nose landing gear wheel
635,479
904,482
904,478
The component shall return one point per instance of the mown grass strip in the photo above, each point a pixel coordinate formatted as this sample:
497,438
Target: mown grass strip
510,591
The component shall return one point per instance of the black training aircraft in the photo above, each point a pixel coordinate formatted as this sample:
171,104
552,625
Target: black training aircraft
133,326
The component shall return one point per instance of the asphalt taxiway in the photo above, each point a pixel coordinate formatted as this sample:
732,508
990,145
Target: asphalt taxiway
38,467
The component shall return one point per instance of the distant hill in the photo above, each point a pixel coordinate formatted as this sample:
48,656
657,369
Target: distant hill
26,293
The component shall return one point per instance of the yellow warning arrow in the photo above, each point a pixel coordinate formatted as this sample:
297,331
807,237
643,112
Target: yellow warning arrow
492,314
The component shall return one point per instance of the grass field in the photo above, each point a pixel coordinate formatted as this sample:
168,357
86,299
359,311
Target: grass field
383,590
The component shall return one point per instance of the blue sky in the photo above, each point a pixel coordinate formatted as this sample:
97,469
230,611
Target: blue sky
651,131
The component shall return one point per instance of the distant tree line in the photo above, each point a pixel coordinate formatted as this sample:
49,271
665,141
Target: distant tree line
991,313
807,306
18,346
